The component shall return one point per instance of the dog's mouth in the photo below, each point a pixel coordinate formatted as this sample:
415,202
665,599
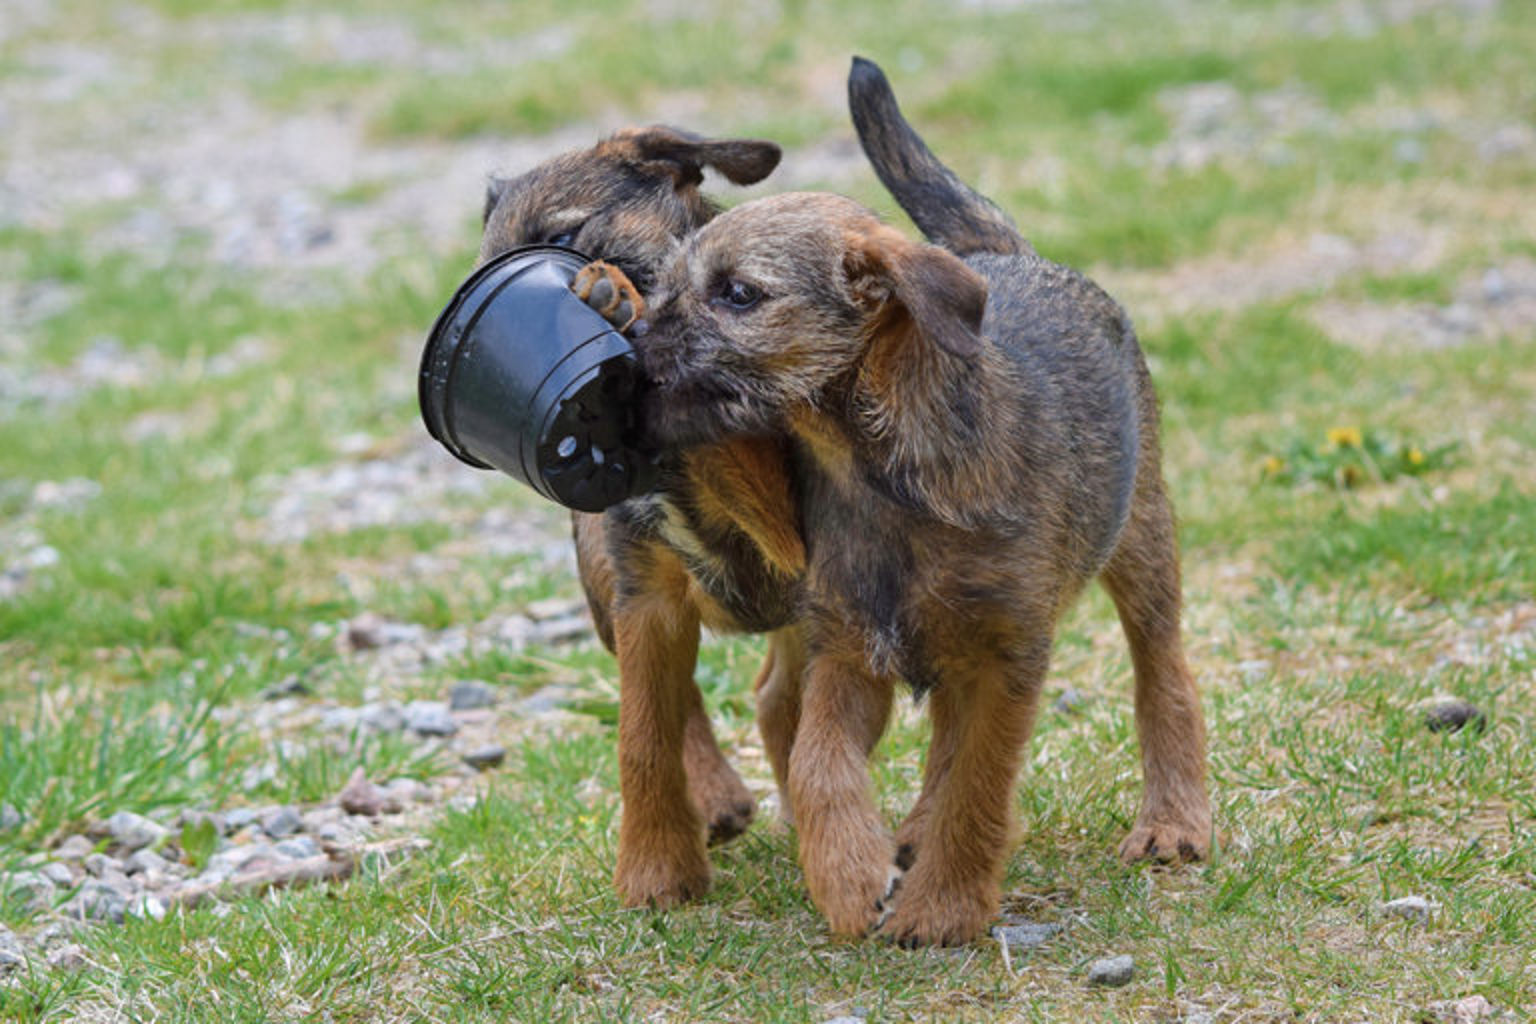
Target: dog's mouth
683,410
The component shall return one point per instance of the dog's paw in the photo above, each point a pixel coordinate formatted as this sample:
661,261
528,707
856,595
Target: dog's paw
661,882
606,289
1165,843
929,914
727,812
857,895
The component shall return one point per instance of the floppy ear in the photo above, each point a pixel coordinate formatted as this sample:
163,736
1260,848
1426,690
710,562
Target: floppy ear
682,154
943,298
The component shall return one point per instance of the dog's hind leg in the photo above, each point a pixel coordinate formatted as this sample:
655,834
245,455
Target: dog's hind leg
778,706
1143,579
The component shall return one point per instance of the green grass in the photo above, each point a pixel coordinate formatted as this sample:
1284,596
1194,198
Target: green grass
1317,616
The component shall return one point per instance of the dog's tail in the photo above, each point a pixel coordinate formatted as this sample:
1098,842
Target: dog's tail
944,208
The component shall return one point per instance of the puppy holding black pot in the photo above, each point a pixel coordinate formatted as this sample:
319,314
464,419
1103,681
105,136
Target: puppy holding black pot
974,439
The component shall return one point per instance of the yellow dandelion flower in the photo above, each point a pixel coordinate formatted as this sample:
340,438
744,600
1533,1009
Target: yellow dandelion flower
1273,465
1345,437
1415,457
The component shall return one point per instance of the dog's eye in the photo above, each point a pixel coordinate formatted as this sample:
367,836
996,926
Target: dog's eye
738,295
562,237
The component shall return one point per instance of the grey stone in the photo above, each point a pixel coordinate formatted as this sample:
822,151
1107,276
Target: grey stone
1410,908
133,831
11,954
99,864
1025,936
560,631
31,890
284,821
234,860
404,791
59,874
146,905
76,847
430,718
382,717
146,860
298,848
68,957
492,755
1112,971
240,817
470,694
545,699
10,818
1070,701
97,901
340,719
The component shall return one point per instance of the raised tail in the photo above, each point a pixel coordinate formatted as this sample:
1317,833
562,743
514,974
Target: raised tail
946,209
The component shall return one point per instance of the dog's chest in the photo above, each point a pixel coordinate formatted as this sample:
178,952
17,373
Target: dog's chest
729,569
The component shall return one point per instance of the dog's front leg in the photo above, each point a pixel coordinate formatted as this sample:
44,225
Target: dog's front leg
952,889
845,849
662,859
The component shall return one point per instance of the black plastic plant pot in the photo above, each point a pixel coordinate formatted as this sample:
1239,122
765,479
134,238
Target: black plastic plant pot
522,376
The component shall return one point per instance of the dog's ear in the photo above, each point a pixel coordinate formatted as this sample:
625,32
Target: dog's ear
682,154
943,298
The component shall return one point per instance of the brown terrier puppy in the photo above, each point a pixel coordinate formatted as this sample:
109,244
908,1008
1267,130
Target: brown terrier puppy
974,439
717,544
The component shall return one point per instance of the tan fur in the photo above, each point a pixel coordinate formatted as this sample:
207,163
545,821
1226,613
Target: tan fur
959,497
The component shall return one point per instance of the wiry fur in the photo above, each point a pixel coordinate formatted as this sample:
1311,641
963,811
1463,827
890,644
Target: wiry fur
717,544
974,440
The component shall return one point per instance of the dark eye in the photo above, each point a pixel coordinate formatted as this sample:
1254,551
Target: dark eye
738,295
565,237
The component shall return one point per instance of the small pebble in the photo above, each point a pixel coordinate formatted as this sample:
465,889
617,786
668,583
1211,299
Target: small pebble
10,818
298,848
11,955
1410,908
546,698
359,796
98,864
1024,936
1112,972
68,957
58,874
97,901
1463,1011
470,694
31,890
1071,700
132,831
147,905
240,817
382,717
1451,714
76,847
430,718
492,755
284,821
146,860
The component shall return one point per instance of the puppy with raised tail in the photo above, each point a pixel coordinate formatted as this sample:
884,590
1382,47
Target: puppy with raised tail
974,439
